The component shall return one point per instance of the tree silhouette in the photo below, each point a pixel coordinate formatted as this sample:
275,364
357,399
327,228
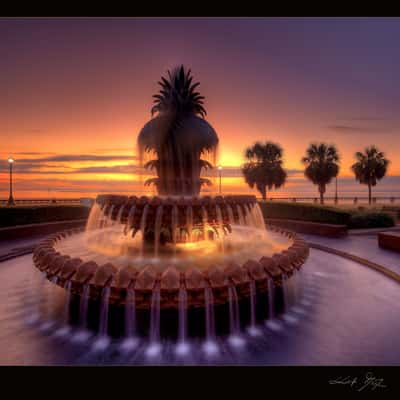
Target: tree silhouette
264,167
177,137
321,162
370,167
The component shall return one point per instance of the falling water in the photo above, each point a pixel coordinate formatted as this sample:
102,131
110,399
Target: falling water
67,288
299,284
258,217
287,292
189,221
204,217
297,293
94,217
182,315
157,229
51,303
130,216
41,284
142,227
103,324
108,220
155,316
252,285
50,306
65,328
250,216
174,224
102,218
220,227
234,322
120,212
294,288
230,214
83,306
289,300
129,220
209,308
271,299
130,314
240,213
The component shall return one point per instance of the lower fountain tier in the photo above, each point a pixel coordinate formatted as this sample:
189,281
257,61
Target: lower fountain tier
61,269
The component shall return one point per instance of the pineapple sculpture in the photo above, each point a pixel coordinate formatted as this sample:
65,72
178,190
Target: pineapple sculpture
178,142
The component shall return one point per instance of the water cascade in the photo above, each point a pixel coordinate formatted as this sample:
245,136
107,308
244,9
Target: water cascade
157,229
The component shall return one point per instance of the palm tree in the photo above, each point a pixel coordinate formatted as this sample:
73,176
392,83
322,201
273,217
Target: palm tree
321,161
264,167
177,138
370,167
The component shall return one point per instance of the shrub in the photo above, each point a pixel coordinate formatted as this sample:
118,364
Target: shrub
392,209
362,220
304,212
12,216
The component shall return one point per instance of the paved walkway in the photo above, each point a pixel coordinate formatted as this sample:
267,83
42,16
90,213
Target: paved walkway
17,246
365,246
373,231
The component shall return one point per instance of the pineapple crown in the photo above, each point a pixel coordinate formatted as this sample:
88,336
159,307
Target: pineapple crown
177,94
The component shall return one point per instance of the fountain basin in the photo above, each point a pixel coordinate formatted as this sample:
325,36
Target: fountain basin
145,281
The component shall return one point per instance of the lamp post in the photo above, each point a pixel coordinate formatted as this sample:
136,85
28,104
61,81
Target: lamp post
220,178
10,197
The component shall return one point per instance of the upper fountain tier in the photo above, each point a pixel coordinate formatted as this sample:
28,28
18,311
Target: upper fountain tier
175,219
178,143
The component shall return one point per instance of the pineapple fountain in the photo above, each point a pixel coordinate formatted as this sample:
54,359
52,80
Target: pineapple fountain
178,263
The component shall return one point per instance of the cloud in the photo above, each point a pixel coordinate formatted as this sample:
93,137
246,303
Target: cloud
236,172
32,153
35,130
115,169
75,157
365,119
32,168
50,169
349,129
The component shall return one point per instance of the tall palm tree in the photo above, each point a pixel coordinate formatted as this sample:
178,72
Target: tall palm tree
178,136
264,167
370,167
321,162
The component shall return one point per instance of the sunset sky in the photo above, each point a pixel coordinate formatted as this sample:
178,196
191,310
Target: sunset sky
76,92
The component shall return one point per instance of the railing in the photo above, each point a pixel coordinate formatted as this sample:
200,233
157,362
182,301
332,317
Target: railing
338,200
328,199
41,201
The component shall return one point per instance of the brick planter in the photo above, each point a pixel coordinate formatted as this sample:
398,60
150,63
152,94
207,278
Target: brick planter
389,240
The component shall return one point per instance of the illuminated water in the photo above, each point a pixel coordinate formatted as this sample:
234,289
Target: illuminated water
112,245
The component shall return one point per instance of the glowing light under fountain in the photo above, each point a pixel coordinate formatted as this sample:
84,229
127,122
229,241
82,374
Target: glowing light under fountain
175,262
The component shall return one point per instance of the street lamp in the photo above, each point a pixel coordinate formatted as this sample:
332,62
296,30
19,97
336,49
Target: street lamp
220,178
10,198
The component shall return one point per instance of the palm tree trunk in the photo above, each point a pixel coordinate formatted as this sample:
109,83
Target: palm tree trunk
263,191
321,194
369,193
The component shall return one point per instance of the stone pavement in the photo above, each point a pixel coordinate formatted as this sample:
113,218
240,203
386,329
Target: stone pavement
365,246
10,248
